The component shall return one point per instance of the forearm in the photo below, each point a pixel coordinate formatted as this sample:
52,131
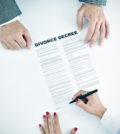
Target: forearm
95,2
8,10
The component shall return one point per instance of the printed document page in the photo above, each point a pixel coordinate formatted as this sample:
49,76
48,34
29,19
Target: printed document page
66,67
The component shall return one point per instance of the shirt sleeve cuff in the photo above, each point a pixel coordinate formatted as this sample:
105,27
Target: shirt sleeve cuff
95,2
14,19
111,121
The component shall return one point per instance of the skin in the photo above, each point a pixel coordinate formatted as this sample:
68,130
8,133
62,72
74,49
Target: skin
90,104
97,23
52,125
14,36
93,104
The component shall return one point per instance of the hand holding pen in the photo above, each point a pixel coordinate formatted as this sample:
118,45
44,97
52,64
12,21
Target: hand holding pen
91,103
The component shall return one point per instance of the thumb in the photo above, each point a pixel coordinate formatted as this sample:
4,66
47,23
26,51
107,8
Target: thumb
27,38
80,19
73,131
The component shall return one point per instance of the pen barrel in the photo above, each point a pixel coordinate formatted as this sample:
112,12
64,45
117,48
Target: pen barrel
85,95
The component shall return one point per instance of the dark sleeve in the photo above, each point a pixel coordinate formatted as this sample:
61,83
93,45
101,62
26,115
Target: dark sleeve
8,10
95,2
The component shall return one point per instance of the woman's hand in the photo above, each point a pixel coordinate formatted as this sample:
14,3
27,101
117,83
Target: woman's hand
97,23
91,104
52,126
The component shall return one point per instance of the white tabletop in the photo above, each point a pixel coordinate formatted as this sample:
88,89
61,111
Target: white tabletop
20,80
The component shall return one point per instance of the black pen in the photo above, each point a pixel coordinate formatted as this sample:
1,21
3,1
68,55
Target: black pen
84,96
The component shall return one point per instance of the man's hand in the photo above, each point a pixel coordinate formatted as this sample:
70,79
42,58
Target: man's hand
91,104
15,36
97,23
52,125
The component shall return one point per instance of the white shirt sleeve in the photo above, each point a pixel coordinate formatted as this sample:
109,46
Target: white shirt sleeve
111,121
14,19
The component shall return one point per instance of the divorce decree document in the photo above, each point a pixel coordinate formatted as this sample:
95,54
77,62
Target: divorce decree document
66,67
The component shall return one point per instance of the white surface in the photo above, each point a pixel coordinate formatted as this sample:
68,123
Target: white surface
21,86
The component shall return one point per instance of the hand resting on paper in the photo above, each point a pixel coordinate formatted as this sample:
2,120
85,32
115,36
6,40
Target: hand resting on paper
97,23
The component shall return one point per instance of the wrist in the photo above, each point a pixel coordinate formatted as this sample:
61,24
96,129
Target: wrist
95,2
101,112
91,5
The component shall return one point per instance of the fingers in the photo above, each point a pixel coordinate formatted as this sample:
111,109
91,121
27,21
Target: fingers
107,29
50,123
20,40
41,129
14,45
81,104
15,35
46,124
4,44
73,131
97,28
50,126
97,22
7,45
102,34
81,92
80,19
56,123
91,30
27,38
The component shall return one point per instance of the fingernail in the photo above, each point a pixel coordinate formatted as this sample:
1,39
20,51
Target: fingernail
47,113
76,100
29,47
75,129
44,116
54,113
40,125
